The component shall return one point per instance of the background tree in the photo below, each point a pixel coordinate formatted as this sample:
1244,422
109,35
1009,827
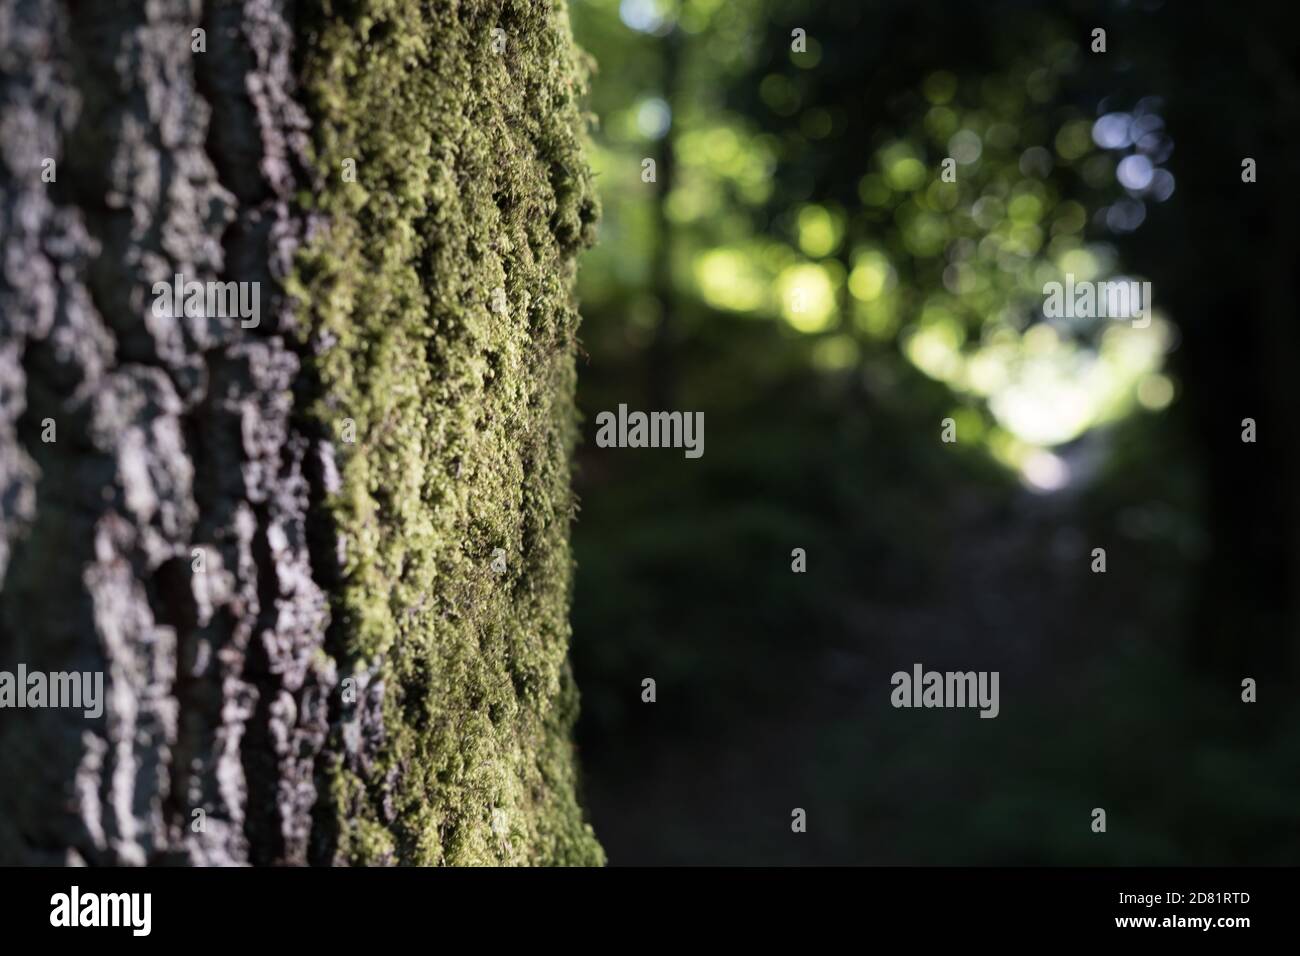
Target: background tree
322,562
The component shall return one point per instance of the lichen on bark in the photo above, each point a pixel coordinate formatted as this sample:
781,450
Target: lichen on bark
347,679
439,289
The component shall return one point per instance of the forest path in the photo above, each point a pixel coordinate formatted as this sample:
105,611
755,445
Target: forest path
1010,595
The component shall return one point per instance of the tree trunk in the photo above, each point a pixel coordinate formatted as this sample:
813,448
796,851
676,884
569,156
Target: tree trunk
1233,293
319,554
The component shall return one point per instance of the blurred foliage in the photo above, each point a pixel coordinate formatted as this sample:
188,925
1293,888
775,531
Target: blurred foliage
800,270
886,255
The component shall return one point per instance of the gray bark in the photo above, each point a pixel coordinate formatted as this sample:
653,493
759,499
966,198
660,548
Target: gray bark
172,435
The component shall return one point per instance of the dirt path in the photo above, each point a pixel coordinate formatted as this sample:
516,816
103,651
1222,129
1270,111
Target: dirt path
1012,595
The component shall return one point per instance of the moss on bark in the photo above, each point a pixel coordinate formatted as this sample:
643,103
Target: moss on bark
438,287
342,677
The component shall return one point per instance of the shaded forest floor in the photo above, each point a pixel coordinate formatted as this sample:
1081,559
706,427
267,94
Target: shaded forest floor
773,687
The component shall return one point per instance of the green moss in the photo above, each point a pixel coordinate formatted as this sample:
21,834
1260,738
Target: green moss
469,178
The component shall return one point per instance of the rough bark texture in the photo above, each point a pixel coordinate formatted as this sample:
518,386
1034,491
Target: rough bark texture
347,679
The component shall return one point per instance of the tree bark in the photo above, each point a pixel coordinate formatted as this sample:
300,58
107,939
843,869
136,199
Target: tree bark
321,561
1233,294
